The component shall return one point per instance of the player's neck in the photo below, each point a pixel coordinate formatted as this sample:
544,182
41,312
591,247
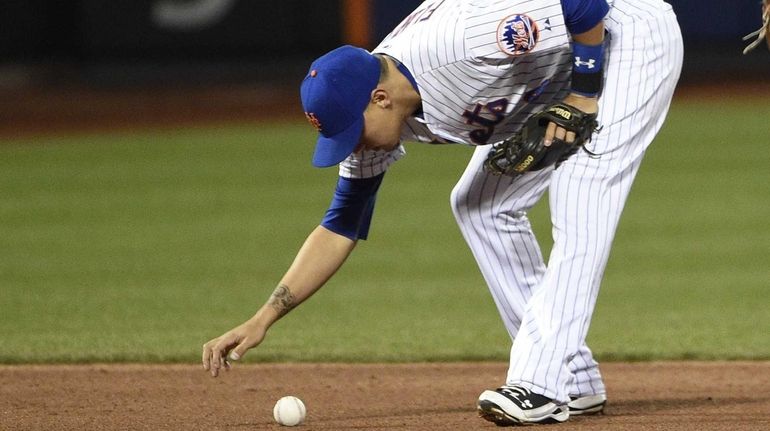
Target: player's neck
405,97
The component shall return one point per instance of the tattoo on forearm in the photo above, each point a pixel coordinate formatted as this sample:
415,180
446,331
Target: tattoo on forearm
282,300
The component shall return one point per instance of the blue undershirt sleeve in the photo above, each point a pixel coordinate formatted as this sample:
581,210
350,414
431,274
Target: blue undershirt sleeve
583,15
351,209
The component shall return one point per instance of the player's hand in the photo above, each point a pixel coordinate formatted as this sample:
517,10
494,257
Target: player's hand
589,105
232,345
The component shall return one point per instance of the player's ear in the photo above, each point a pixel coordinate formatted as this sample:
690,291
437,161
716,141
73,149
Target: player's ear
381,98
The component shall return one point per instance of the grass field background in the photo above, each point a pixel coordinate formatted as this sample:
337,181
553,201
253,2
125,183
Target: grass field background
141,246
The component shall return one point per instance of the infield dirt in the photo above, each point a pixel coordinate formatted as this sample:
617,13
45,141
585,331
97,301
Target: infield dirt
642,396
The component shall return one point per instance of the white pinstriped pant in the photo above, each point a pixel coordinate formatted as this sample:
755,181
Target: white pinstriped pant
547,308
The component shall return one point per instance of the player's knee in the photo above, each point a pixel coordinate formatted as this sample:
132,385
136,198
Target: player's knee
459,202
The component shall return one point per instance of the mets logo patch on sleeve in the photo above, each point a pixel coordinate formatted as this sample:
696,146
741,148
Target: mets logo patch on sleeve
517,34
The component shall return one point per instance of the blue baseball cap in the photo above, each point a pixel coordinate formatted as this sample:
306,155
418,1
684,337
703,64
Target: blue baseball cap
335,93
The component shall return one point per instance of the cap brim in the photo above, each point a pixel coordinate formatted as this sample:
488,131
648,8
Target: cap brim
330,151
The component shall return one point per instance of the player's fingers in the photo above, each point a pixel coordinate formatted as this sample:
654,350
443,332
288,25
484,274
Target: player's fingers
550,132
206,356
218,355
570,137
240,350
560,133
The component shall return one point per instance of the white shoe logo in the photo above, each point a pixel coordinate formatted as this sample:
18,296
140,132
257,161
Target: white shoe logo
527,404
590,63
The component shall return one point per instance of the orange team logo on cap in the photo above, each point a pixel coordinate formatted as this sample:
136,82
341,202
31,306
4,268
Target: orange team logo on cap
313,120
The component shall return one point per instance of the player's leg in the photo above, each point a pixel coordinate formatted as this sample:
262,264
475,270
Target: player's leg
586,392
491,213
492,216
587,196
552,334
585,212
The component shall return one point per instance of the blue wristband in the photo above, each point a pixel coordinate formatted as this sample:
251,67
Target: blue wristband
587,58
587,69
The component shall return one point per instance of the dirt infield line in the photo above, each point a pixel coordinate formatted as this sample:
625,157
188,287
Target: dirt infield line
642,396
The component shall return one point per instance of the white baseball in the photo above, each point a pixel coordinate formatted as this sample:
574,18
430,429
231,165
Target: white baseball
289,411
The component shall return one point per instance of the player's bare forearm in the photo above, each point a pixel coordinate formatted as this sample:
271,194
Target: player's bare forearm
594,36
320,257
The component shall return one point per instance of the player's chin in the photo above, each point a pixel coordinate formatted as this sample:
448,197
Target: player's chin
388,144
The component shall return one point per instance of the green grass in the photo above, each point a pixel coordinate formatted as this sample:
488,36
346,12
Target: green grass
689,274
141,246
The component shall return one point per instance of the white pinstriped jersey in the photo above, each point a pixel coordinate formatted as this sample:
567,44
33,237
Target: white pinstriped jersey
482,68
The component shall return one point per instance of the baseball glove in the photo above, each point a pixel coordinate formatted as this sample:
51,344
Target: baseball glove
763,33
525,152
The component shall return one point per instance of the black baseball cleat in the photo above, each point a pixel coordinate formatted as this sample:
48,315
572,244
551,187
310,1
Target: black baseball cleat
587,405
515,405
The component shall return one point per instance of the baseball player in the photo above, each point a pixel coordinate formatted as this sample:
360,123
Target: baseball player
473,72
